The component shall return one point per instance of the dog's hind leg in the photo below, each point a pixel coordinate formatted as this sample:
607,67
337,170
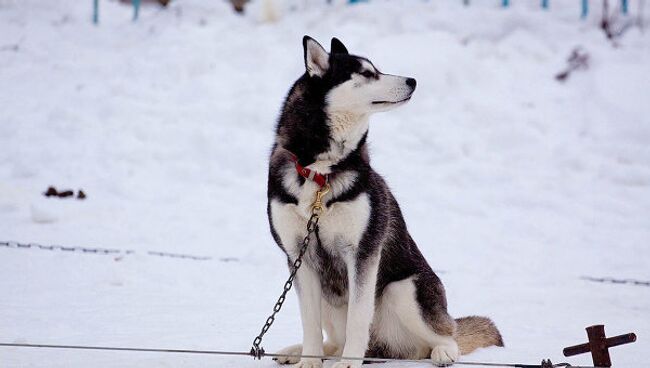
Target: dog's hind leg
423,314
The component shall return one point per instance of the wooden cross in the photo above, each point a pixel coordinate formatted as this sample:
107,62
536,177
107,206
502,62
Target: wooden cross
598,345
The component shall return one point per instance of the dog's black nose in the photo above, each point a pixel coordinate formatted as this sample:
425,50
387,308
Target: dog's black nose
411,82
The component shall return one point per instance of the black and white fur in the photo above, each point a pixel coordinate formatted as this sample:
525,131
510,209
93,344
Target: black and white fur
363,280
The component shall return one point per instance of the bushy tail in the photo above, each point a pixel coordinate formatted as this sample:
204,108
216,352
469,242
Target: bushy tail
476,332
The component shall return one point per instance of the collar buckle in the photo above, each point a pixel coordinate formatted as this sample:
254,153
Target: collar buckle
320,179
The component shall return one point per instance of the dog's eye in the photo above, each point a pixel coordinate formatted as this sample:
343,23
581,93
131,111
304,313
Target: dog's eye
368,74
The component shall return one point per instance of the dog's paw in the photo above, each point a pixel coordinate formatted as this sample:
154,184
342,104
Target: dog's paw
289,350
348,364
445,354
309,363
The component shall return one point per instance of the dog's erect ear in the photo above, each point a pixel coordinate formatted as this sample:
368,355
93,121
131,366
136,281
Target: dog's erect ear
338,47
316,58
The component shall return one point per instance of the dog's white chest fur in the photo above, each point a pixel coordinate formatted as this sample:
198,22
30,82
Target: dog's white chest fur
341,225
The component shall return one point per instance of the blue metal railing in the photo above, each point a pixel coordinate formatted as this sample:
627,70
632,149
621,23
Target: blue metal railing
95,11
584,5
585,8
136,10
504,3
546,3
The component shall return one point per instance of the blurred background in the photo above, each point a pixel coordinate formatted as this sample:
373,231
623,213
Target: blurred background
522,165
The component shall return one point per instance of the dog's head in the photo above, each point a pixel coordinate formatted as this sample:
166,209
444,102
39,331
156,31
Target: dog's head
353,84
325,115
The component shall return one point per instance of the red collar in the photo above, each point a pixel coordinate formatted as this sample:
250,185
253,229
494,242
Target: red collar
312,175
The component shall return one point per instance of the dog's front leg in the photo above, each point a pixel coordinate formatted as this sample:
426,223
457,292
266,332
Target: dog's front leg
362,279
308,287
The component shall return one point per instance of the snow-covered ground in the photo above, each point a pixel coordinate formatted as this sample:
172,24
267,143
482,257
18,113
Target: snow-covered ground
513,185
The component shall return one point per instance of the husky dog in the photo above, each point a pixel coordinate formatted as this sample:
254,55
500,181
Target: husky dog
363,279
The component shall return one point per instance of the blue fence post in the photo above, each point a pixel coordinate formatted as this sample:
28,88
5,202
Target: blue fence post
585,8
545,4
136,9
95,11
505,3
624,6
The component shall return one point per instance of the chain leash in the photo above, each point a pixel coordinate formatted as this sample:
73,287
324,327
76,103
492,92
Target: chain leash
612,280
257,351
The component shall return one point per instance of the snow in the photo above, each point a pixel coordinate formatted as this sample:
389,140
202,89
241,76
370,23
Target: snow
513,185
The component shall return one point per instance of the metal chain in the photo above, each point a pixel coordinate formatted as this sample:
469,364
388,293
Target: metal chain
101,251
114,251
177,255
612,280
257,351
105,251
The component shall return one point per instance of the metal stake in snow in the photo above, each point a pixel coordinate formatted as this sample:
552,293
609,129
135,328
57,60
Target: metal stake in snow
598,345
